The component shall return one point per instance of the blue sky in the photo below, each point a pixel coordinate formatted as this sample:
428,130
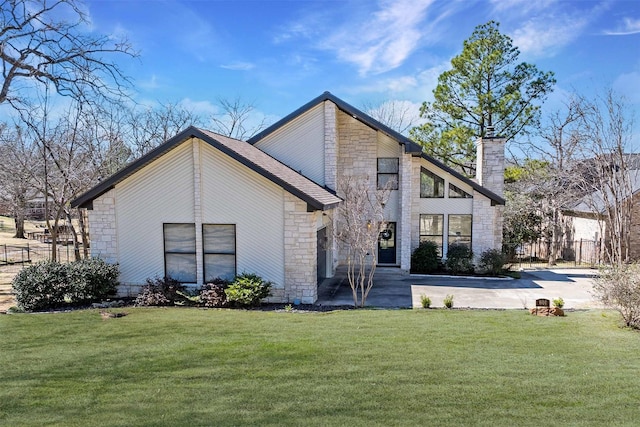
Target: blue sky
281,54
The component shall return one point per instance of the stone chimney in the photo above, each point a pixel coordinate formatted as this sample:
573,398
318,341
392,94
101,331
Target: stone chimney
490,162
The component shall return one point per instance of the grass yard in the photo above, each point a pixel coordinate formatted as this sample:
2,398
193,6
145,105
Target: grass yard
190,367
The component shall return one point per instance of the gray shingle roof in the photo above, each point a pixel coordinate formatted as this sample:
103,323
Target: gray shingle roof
314,195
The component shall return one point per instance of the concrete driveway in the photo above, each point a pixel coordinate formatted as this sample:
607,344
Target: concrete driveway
392,288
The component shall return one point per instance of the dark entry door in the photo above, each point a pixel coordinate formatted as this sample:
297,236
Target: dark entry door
322,254
387,244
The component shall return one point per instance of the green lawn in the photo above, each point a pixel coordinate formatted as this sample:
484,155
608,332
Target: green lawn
189,367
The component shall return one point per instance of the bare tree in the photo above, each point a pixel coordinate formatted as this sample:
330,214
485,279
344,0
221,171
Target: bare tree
150,127
556,183
237,119
613,170
17,167
400,116
358,223
39,48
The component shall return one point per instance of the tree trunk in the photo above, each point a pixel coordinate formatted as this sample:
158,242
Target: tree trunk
74,236
83,233
19,220
18,216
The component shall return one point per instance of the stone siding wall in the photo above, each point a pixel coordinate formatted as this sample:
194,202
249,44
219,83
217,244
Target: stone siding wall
487,225
487,219
408,202
102,228
330,145
357,157
490,168
357,148
300,253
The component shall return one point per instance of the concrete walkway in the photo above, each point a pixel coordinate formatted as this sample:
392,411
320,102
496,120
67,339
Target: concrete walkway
393,288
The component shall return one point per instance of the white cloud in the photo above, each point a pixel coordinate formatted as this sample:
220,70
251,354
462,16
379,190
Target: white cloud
629,26
201,108
521,7
239,66
383,41
543,36
629,85
151,83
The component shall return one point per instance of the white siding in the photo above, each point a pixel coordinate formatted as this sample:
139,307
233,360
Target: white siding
161,192
388,147
233,194
300,144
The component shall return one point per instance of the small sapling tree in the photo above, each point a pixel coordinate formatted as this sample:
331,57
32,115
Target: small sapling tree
359,220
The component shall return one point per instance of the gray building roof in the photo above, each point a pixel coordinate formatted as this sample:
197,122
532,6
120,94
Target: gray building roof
316,197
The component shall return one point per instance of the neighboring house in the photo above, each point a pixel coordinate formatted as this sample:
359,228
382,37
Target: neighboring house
203,205
586,216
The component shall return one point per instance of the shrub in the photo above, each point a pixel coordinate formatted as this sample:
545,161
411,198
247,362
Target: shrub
41,286
558,302
50,284
448,301
92,280
459,259
213,293
248,290
159,292
618,287
425,258
492,261
425,301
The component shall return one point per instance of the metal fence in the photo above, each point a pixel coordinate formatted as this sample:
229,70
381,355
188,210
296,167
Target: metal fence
576,253
24,254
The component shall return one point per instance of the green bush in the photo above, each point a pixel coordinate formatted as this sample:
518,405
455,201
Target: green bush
160,292
448,301
558,302
459,259
425,258
492,262
425,301
41,286
50,284
213,293
92,280
248,290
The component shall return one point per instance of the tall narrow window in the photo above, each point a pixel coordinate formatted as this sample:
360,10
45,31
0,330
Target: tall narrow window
457,192
219,248
431,185
180,252
431,229
460,229
388,173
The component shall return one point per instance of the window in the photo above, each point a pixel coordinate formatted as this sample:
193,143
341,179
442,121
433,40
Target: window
460,229
180,252
431,229
457,192
219,248
431,185
388,173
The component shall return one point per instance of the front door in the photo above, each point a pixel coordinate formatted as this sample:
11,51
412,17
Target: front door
387,244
